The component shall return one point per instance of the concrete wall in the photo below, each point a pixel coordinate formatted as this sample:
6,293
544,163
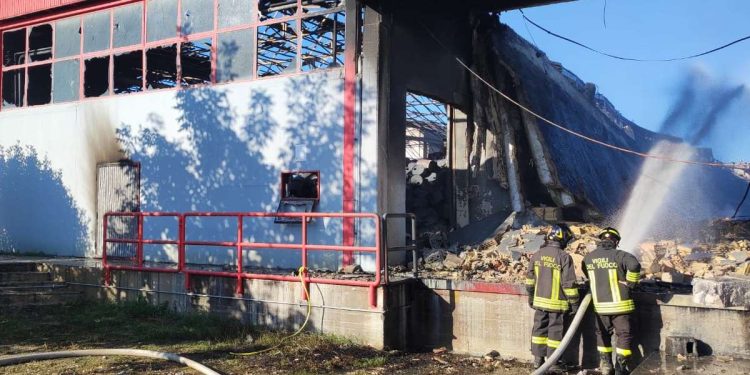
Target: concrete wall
473,322
339,310
218,148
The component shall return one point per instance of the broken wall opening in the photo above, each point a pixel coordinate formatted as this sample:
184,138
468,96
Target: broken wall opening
428,171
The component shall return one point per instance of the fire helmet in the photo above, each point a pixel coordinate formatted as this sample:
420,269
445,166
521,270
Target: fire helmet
610,234
560,233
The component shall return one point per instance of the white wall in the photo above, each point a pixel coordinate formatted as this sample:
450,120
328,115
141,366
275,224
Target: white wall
217,148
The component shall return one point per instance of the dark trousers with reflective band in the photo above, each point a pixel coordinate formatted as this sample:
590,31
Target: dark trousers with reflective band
605,325
547,332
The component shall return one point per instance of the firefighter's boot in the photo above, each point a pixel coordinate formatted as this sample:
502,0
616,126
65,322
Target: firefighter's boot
605,363
622,368
538,362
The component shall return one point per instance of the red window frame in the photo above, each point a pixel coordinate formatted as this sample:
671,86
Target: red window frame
178,39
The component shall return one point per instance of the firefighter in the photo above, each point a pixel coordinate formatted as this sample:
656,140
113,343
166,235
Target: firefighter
612,274
550,285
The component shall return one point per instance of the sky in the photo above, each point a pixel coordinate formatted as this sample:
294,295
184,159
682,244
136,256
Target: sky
645,92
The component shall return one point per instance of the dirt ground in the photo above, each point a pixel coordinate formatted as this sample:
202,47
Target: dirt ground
207,339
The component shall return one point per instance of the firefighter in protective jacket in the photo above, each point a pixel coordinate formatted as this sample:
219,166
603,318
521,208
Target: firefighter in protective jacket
550,285
612,274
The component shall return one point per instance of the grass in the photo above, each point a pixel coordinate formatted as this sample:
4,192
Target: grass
206,338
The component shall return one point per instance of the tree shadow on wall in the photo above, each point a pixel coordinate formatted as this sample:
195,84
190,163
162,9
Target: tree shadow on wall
37,212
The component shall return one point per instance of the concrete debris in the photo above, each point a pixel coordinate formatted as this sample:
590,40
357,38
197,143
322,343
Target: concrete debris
722,292
427,181
351,269
504,257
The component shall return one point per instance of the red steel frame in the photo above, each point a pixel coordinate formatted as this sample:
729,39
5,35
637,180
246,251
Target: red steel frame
241,245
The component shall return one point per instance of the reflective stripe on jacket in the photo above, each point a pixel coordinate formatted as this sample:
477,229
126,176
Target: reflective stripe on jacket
550,279
611,273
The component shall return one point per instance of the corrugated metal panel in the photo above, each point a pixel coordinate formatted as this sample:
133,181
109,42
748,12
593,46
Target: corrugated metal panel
15,8
118,186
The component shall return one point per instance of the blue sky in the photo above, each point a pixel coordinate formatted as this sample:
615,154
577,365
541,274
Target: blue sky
645,91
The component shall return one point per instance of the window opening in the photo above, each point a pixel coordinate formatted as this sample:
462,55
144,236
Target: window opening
428,173
277,49
128,72
234,58
13,85
269,9
14,47
426,128
195,62
67,37
161,67
40,85
65,80
128,22
96,32
300,191
96,77
323,41
162,19
197,16
311,6
40,43
234,12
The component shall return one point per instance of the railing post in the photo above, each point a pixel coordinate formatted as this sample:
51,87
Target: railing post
303,277
183,239
240,287
104,251
139,245
180,242
384,249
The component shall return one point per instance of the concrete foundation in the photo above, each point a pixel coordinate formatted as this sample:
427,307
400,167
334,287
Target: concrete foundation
465,317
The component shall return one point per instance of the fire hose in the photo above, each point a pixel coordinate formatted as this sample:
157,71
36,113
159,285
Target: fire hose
568,336
31,357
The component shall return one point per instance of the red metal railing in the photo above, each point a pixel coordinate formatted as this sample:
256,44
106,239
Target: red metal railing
241,245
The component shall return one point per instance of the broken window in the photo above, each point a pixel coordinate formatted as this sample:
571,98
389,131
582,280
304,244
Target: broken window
235,55
311,6
128,73
195,61
40,43
162,19
14,47
96,77
269,9
426,128
65,81
40,85
197,16
234,12
96,32
13,86
300,191
277,49
127,25
67,37
323,41
161,67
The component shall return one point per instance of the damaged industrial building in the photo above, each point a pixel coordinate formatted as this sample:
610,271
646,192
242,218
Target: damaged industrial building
199,153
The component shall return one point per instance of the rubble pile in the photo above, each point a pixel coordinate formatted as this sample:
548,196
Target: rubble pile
426,183
505,257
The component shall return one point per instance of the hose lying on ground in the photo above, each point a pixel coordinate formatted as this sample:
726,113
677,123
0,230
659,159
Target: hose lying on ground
301,272
31,357
568,336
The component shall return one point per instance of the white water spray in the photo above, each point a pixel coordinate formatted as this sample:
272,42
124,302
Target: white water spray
646,204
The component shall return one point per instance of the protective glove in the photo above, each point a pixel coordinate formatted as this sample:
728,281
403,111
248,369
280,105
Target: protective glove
573,308
531,300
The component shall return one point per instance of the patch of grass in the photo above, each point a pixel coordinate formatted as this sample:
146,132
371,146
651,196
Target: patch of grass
363,363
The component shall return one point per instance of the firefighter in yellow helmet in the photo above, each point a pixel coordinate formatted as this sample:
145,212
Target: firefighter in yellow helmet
550,286
612,274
